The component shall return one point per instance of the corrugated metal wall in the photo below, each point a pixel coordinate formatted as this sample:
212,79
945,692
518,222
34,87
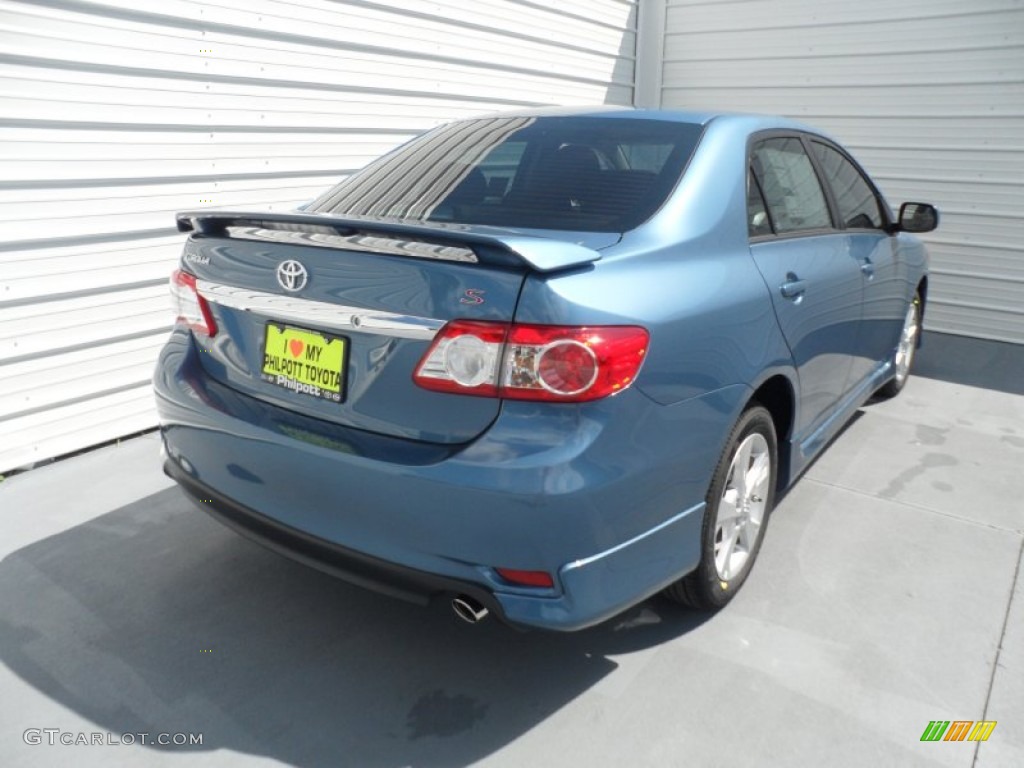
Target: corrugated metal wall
928,94
114,115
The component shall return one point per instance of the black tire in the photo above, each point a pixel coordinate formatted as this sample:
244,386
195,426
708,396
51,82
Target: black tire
705,588
895,385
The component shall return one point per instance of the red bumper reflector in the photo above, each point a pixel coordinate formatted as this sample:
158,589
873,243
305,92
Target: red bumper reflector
526,578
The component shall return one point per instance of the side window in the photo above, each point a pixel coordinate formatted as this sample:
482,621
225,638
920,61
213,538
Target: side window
790,186
858,205
757,214
645,157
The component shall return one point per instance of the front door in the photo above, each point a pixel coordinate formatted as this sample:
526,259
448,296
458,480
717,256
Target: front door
870,245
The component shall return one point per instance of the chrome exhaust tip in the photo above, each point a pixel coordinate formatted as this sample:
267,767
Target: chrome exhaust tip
468,609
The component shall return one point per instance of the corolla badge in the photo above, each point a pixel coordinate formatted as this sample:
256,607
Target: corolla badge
196,258
292,275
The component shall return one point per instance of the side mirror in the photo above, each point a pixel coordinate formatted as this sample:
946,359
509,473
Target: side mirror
917,217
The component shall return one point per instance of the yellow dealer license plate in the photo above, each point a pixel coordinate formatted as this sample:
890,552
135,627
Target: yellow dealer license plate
304,361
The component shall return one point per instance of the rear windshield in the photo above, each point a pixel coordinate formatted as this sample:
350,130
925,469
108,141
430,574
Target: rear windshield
569,173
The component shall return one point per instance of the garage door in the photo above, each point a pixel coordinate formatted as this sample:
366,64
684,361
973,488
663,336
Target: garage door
117,114
929,96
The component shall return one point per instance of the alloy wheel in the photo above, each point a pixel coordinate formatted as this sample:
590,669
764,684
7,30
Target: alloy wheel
908,342
742,506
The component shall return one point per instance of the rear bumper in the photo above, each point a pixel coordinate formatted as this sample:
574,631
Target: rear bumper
346,564
421,587
609,499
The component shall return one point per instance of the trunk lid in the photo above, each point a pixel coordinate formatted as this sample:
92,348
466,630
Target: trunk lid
337,332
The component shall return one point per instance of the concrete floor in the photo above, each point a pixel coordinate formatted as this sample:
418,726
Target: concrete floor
888,594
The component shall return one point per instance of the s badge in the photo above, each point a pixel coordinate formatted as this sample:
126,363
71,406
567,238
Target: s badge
473,296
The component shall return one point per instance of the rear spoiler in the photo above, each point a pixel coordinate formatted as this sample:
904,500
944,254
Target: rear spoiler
537,253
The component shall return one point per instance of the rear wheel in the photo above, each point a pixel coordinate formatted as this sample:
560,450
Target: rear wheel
905,350
739,502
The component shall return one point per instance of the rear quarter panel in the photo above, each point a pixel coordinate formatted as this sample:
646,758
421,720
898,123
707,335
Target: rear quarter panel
688,277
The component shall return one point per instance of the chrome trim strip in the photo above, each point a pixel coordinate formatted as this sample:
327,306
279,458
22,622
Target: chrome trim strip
320,314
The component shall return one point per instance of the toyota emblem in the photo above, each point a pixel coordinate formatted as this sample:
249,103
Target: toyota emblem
292,275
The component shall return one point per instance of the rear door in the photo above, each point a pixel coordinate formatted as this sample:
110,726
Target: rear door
815,285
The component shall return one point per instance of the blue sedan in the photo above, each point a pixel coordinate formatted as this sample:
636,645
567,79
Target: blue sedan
540,365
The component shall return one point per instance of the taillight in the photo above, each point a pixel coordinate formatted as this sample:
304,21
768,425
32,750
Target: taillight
191,308
533,362
544,362
463,358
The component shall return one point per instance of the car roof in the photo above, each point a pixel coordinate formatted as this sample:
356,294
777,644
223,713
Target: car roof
748,120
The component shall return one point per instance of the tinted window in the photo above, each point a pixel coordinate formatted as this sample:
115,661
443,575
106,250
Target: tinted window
758,222
790,186
500,166
571,173
645,156
858,206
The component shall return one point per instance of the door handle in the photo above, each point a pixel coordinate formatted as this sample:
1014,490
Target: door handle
794,287
867,268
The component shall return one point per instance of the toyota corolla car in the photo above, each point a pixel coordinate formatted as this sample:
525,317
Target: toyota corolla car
544,364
